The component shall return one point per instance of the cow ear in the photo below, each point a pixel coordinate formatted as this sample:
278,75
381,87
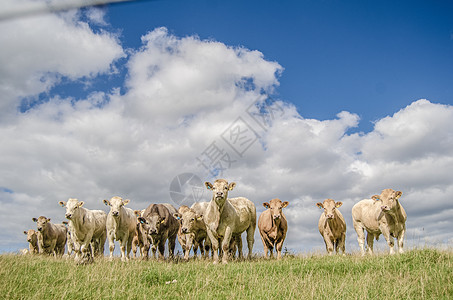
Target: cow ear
177,216
199,217
398,194
48,220
142,220
35,220
125,202
375,197
208,185
338,204
266,205
319,204
231,186
106,202
162,221
137,213
285,204
26,233
80,204
62,203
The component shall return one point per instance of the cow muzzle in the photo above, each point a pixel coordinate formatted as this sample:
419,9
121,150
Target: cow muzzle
330,216
385,208
39,228
153,231
68,216
184,230
115,213
276,217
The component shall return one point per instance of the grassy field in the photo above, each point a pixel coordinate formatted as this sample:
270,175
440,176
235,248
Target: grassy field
417,274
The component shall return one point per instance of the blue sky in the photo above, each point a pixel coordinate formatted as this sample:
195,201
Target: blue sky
120,100
366,57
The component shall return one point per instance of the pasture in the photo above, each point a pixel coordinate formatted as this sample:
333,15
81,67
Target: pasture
416,274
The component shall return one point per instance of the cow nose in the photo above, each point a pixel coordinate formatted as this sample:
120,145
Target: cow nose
276,217
115,213
68,216
39,228
220,194
384,207
184,230
330,216
153,231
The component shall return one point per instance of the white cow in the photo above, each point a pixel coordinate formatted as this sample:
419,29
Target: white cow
380,214
226,218
121,225
88,230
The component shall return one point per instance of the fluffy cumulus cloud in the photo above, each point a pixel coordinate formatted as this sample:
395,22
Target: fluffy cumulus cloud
198,106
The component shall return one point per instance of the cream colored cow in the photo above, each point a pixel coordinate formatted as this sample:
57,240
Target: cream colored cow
88,230
121,225
273,226
381,214
32,239
227,217
332,226
52,237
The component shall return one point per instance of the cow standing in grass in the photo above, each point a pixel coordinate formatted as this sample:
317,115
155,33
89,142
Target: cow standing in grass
52,237
332,226
120,225
32,239
159,223
381,214
273,226
226,218
88,230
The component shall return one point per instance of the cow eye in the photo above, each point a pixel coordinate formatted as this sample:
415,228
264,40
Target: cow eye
193,219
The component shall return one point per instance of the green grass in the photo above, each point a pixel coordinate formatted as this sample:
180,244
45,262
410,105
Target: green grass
417,274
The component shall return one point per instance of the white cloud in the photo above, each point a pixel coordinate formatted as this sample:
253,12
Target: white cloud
182,95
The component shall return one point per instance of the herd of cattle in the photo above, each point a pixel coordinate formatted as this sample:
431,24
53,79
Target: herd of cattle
214,226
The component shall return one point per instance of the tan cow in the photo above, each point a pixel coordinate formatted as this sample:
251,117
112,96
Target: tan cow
380,214
332,226
52,238
192,230
88,230
141,238
121,225
225,218
158,223
273,226
32,239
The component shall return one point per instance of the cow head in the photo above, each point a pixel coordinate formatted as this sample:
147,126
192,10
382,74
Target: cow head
220,189
275,206
116,203
188,219
389,199
329,206
152,224
31,235
41,222
72,207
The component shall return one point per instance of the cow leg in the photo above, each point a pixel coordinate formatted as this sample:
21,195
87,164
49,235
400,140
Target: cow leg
369,242
360,236
214,246
266,249
238,239
278,248
111,238
386,233
226,244
401,241
172,245
341,243
129,246
123,245
207,247
250,239
189,242
329,244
